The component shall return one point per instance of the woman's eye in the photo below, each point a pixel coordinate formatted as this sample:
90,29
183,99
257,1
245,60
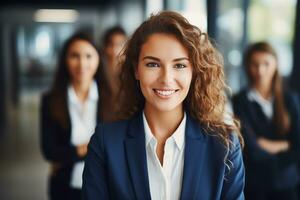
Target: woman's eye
73,55
152,65
267,64
179,66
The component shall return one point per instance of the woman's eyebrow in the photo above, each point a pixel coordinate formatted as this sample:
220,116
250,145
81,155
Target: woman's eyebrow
151,57
180,59
157,59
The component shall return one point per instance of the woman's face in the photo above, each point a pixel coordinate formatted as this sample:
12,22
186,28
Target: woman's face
164,72
115,45
262,68
82,61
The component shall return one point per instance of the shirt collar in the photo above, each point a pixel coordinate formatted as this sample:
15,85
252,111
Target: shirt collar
92,95
253,95
178,136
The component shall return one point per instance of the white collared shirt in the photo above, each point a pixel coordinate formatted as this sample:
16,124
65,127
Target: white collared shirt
83,122
266,105
165,181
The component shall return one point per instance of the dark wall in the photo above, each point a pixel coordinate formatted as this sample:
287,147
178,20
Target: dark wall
2,88
56,2
295,77
212,11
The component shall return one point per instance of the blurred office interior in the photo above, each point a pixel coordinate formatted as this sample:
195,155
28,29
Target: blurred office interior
32,33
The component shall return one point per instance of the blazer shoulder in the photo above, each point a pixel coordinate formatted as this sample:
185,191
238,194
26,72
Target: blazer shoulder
215,142
113,130
240,96
240,101
235,141
291,96
45,97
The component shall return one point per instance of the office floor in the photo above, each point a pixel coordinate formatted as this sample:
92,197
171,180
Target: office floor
23,172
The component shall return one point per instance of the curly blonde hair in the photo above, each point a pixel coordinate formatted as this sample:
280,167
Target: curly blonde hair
206,97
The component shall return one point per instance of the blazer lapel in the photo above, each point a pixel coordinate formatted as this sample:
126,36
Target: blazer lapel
68,125
194,157
136,157
259,119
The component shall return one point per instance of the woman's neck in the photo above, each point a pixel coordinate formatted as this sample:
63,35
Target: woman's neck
265,92
82,90
163,124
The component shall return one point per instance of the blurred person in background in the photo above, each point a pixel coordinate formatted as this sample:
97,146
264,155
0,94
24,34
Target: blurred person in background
113,41
69,114
173,142
270,125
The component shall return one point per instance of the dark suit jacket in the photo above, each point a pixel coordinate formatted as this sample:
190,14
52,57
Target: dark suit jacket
265,170
57,148
116,164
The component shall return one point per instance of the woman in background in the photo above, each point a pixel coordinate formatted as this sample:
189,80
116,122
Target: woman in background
69,114
113,42
270,126
172,142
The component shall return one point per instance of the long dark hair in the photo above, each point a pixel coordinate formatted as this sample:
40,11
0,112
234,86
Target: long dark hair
206,98
58,91
281,117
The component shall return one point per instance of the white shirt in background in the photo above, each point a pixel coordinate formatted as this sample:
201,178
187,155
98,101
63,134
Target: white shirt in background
165,181
266,105
83,122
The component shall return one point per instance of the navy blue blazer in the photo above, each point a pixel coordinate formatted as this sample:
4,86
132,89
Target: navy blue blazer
116,164
265,170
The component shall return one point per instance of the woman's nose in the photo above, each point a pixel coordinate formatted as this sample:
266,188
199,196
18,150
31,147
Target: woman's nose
82,62
166,75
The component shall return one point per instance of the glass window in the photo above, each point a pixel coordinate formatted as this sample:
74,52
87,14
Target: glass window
193,10
153,7
230,37
274,21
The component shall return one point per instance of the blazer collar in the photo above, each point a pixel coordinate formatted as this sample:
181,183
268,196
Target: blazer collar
136,157
193,129
194,157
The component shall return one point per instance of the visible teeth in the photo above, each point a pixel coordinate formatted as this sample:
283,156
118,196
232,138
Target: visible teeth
165,92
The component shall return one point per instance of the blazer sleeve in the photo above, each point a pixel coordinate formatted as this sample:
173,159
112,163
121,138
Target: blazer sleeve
295,127
53,149
95,184
234,179
291,156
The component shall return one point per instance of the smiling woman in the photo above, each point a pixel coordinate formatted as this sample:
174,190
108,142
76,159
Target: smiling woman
69,114
172,134
164,73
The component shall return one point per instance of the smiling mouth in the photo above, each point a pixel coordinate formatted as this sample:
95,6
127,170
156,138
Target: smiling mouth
165,92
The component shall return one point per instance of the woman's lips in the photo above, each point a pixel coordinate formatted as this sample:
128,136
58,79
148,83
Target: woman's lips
164,93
